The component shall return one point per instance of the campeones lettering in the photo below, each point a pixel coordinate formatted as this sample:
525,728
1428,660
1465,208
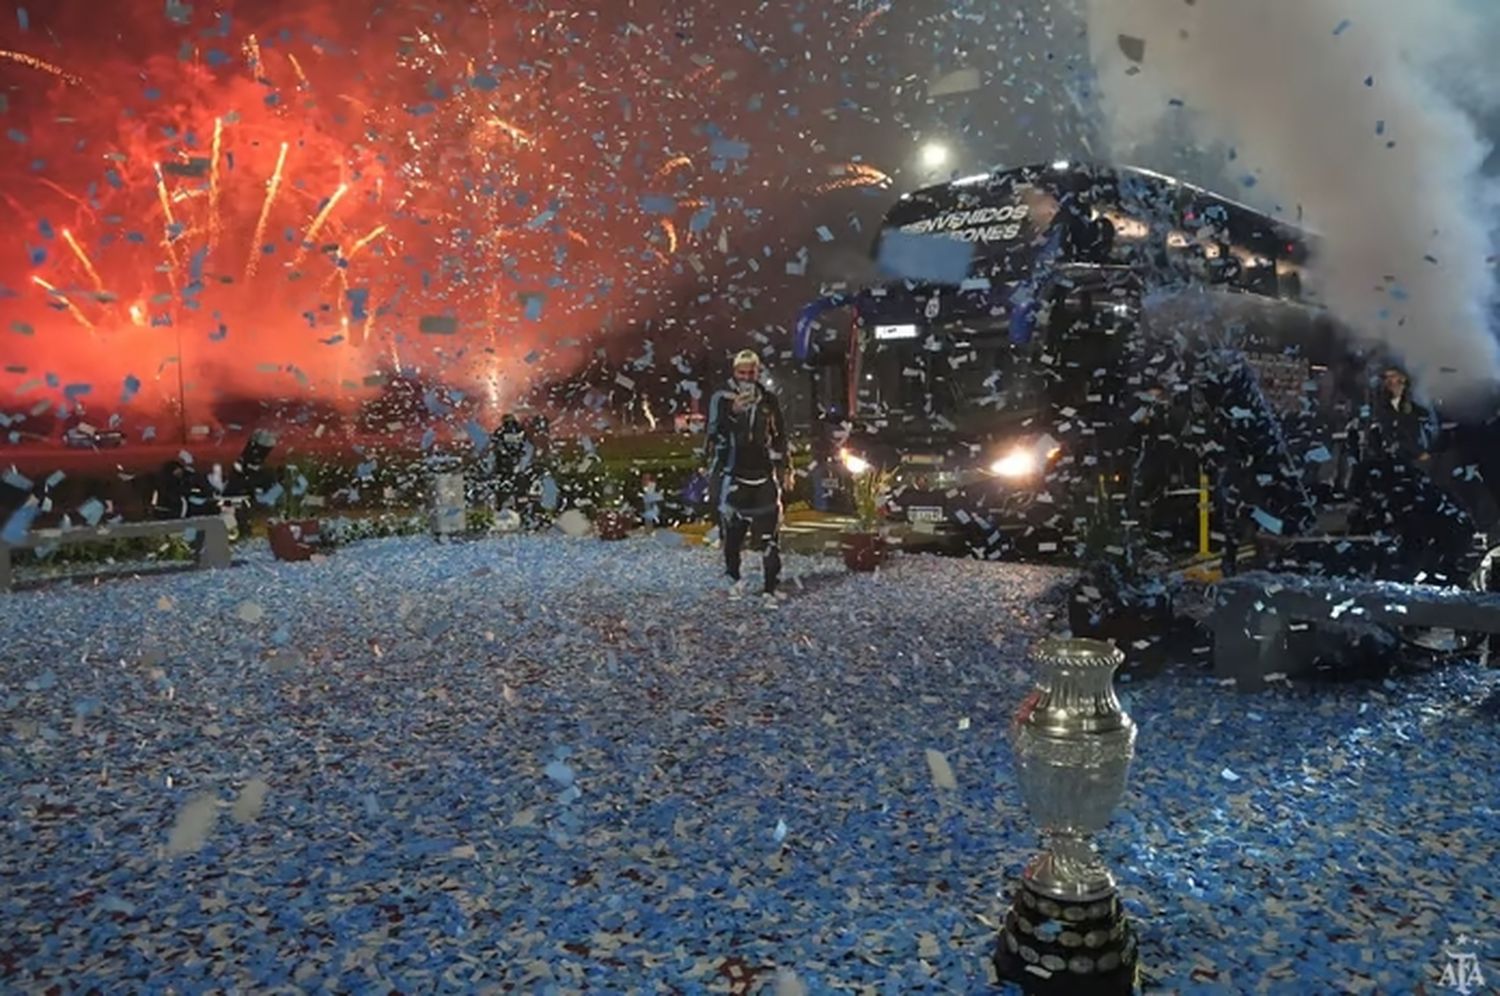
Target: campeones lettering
990,224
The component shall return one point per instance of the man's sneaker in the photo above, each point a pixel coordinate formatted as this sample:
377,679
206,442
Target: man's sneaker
736,589
770,601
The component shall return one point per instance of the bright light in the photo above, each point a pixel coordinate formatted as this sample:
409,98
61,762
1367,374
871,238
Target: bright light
934,155
884,333
1062,164
1026,460
853,462
1019,462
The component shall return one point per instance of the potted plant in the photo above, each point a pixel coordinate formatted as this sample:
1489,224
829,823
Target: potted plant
864,545
293,536
615,519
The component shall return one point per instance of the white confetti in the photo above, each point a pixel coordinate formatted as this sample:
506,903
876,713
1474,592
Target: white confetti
195,821
941,770
251,801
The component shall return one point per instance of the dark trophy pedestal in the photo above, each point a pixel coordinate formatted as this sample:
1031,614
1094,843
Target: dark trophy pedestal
1053,948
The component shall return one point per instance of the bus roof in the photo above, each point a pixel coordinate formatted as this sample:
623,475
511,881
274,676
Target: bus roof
1009,217
1171,195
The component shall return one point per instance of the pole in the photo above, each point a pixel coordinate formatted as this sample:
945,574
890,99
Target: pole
1205,510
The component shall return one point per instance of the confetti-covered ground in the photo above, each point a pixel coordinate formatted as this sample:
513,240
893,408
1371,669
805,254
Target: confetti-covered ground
543,765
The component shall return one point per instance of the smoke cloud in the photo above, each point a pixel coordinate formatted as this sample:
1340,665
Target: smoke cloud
1356,119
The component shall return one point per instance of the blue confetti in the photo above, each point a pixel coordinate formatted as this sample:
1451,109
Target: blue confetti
92,511
930,258
18,524
658,204
723,148
359,299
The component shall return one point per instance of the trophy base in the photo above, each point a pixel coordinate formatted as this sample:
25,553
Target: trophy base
1052,947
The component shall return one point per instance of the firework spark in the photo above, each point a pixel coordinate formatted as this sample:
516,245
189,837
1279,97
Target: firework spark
83,258
853,175
213,186
870,18
369,237
164,197
317,224
670,230
72,308
340,272
675,163
519,136
171,223
46,67
265,214
252,55
297,68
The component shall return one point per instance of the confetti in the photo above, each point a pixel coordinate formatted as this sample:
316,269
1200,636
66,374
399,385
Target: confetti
940,770
195,821
251,800
639,692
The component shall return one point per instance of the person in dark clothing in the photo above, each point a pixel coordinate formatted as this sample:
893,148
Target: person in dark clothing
1403,428
747,451
508,448
535,473
1399,494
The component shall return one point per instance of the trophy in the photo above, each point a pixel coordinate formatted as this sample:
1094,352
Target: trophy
1066,932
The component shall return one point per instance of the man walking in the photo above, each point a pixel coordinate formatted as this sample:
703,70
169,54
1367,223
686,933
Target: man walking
747,452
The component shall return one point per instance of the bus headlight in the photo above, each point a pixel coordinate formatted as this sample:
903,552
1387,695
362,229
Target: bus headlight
1019,463
1026,460
853,462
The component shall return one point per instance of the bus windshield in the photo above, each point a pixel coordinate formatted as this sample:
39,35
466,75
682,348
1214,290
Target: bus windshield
951,374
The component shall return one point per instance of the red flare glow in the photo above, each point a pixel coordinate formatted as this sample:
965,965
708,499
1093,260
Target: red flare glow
288,200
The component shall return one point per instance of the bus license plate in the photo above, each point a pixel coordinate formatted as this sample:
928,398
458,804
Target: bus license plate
925,514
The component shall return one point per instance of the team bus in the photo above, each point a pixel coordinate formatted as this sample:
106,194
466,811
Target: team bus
1019,361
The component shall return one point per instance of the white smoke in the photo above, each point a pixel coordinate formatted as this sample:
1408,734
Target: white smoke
1355,113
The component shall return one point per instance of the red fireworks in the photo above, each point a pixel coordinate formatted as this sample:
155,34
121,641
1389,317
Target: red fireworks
285,207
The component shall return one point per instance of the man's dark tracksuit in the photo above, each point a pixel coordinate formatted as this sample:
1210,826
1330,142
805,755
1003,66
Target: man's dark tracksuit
747,450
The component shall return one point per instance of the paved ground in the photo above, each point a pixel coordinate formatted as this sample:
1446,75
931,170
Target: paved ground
539,765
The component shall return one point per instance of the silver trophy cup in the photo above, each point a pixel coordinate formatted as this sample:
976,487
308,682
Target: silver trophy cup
1073,744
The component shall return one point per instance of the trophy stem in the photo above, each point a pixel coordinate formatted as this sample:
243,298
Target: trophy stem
1070,869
